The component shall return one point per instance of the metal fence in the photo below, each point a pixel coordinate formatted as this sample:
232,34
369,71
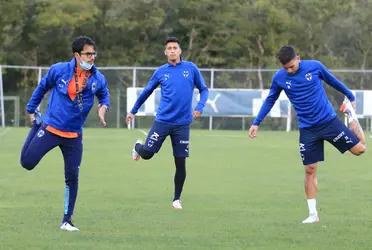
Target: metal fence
18,82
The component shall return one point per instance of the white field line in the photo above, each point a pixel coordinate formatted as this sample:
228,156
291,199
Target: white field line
142,131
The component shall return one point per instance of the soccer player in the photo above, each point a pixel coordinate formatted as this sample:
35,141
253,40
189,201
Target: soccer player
72,87
177,80
301,80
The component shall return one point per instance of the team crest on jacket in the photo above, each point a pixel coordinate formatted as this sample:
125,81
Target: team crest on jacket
166,77
94,86
308,76
185,73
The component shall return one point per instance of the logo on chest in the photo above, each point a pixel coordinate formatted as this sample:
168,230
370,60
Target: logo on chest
186,73
288,84
166,76
308,76
61,85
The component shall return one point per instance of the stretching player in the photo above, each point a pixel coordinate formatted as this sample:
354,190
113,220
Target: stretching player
177,80
72,87
301,80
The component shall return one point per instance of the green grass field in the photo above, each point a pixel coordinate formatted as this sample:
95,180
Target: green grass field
239,194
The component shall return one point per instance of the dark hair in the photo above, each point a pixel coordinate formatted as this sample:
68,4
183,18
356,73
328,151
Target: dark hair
171,39
286,54
80,41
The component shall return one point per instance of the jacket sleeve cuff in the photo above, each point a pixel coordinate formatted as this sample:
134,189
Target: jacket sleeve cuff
256,122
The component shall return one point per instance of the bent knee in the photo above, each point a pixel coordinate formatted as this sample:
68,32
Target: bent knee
358,149
27,164
147,156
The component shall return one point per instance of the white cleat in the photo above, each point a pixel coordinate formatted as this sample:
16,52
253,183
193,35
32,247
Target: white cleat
177,204
135,155
348,110
313,218
68,226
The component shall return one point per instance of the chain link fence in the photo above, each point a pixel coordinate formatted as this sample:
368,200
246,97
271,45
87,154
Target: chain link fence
18,82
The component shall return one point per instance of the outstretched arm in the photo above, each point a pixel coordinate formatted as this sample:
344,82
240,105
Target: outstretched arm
203,91
103,96
46,83
265,109
146,92
331,80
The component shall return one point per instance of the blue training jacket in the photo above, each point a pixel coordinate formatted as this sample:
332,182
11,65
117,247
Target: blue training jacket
177,83
63,113
306,93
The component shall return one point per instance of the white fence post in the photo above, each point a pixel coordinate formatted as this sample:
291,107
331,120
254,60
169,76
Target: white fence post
2,99
212,86
134,83
118,109
39,75
289,117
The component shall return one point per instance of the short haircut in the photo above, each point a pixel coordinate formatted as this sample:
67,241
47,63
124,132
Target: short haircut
286,54
80,41
171,39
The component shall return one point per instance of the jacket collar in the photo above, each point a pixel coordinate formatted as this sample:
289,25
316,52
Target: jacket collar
177,64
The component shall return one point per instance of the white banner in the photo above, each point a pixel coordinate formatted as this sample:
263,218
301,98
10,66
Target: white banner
221,102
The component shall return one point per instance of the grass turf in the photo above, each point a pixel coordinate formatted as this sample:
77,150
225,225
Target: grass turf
239,194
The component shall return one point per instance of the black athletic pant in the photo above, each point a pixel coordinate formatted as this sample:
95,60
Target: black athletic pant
180,175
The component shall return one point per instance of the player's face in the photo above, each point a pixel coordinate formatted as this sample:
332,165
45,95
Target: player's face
292,66
173,52
88,54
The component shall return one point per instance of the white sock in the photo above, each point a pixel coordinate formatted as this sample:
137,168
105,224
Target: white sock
353,116
311,203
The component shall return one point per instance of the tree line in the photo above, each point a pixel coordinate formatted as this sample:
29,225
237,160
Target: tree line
213,33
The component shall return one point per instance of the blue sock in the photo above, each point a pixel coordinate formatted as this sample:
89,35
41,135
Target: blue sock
70,200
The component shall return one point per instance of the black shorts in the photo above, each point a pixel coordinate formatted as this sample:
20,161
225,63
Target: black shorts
312,140
179,134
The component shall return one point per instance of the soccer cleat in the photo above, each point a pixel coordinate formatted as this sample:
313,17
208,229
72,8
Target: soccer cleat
313,218
348,110
135,155
68,226
177,204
